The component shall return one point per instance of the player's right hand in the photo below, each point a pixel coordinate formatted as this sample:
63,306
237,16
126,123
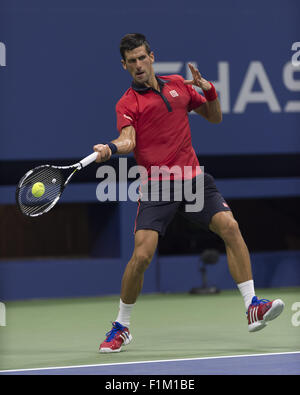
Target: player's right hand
104,152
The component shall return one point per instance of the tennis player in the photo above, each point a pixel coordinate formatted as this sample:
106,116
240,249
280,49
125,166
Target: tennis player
153,122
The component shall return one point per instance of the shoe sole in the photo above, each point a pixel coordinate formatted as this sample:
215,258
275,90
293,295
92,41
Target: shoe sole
274,312
109,350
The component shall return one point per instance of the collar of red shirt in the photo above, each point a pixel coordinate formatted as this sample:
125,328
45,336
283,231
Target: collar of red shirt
141,88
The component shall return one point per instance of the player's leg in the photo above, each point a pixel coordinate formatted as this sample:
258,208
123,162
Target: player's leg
151,221
224,224
145,245
217,216
259,311
132,282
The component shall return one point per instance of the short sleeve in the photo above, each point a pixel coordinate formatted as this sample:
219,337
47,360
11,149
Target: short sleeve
196,100
126,115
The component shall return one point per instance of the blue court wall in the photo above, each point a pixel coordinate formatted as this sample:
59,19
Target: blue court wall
57,278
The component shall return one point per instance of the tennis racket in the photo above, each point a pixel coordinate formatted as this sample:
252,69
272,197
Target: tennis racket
54,179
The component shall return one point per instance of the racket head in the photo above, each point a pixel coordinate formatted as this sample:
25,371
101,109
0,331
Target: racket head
54,182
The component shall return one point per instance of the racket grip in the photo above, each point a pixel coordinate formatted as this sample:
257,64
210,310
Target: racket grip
89,159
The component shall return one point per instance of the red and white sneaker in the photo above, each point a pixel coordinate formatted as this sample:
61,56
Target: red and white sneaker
118,336
261,311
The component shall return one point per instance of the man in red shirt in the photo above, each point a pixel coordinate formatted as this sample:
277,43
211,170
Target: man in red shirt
152,119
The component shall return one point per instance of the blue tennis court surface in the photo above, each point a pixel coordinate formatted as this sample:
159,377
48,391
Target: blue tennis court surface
256,364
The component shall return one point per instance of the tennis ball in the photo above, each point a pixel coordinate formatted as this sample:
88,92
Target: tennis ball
38,189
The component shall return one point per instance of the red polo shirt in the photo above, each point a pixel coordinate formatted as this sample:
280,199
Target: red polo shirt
160,119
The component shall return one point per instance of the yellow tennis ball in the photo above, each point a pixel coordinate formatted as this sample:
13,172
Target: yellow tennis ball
38,189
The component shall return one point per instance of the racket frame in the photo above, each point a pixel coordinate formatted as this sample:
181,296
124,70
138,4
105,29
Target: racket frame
76,166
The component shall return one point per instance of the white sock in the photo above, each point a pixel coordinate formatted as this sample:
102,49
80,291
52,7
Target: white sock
247,290
124,313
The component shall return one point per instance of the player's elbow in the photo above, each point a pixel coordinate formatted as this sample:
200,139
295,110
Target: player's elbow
216,118
130,145
219,118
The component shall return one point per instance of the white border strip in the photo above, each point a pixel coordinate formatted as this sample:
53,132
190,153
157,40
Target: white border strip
155,361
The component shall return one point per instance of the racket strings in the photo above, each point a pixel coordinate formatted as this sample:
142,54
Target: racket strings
53,181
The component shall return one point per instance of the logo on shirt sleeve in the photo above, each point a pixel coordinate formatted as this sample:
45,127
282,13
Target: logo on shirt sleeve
126,116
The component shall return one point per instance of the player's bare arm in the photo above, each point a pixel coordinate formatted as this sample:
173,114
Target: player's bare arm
210,110
125,144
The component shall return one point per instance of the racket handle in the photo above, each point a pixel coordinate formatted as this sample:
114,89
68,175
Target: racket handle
89,159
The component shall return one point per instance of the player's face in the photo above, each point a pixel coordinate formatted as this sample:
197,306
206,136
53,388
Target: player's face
139,64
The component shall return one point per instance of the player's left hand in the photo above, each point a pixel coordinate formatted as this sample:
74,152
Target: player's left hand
197,80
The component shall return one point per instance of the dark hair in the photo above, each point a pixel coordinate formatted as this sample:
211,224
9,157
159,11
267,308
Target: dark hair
131,41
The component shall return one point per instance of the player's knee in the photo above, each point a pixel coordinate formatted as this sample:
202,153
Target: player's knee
142,260
229,230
